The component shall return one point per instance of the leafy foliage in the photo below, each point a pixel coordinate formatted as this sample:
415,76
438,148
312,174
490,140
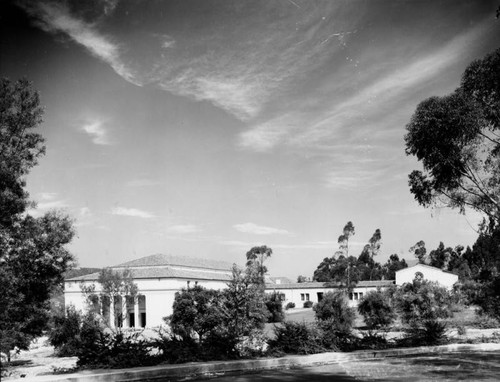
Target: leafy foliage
296,338
456,138
64,333
377,310
116,287
334,308
33,256
275,307
421,305
256,257
100,347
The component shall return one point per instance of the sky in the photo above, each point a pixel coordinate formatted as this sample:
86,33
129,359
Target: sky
204,128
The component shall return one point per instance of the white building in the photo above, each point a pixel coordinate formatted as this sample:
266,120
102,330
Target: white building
299,293
426,272
158,277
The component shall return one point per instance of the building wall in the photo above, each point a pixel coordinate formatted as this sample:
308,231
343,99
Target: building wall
407,275
159,295
298,296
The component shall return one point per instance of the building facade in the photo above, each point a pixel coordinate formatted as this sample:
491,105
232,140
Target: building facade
158,278
299,293
426,272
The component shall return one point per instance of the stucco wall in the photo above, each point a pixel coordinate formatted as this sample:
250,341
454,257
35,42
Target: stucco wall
407,275
298,296
159,295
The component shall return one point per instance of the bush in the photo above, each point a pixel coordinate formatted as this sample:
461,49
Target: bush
290,305
422,304
64,333
296,338
275,307
376,310
100,347
308,304
429,332
334,308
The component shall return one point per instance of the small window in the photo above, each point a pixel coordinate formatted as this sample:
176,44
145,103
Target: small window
355,296
360,295
302,297
307,296
350,296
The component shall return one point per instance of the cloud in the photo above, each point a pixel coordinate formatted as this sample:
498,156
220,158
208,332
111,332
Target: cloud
184,228
55,18
362,110
259,230
133,212
95,129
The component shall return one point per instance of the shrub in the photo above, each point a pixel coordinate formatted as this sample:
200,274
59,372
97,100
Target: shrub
308,304
334,308
275,307
296,338
64,333
290,305
100,347
421,305
376,310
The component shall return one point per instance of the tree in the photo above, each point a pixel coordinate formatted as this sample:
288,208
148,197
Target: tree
391,266
334,309
456,137
116,288
377,310
369,269
256,257
419,251
196,312
343,239
421,304
33,256
302,279
244,303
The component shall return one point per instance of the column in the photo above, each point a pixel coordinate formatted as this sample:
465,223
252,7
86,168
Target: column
112,312
124,312
136,312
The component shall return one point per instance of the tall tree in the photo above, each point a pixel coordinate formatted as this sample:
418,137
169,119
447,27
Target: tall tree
343,239
256,257
457,139
391,266
33,256
419,251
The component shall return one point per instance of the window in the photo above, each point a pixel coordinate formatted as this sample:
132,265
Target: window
360,295
302,297
355,296
307,296
350,296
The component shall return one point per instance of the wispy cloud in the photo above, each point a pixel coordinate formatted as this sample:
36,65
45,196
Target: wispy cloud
371,104
53,18
133,212
259,230
184,229
98,133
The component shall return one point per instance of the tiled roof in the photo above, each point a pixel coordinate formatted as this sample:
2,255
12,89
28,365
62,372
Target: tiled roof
166,272
315,284
183,261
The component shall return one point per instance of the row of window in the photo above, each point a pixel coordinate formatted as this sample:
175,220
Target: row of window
355,296
304,296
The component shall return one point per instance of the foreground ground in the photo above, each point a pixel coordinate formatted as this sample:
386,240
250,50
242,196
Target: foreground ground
443,367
